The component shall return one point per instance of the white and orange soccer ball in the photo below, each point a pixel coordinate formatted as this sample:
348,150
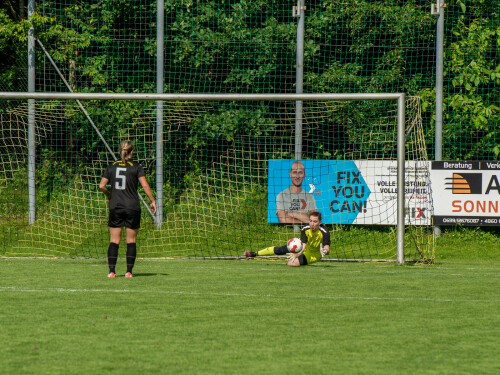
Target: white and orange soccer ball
295,245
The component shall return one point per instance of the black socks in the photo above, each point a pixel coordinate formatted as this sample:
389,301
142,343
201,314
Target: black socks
131,254
112,256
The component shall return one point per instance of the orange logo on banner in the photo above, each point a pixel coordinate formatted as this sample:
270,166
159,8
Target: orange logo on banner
460,185
465,183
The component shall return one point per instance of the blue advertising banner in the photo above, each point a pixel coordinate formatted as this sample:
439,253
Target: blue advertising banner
335,188
346,191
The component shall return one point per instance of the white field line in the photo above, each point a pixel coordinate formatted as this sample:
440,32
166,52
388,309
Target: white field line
14,289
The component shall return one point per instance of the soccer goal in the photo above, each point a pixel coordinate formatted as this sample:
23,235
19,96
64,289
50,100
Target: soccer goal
216,163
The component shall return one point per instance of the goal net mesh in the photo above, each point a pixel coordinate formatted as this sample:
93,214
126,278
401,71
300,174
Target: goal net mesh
215,174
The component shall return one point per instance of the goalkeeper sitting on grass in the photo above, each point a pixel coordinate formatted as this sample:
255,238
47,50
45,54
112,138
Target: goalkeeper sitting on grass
313,236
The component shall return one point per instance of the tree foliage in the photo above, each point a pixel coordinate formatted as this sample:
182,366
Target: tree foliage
243,46
472,77
13,38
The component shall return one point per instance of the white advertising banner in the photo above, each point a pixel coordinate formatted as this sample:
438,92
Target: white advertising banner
381,177
466,192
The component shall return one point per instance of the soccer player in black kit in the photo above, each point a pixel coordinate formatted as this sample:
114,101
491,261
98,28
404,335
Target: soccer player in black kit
124,207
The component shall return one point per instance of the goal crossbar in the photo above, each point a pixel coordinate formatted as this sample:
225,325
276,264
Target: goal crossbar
196,97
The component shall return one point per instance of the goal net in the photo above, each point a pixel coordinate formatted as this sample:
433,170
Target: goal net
217,182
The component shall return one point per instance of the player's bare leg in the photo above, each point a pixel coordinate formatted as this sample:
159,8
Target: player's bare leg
132,235
293,260
115,235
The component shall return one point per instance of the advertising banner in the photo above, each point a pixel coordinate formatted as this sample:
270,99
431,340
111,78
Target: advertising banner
466,192
347,192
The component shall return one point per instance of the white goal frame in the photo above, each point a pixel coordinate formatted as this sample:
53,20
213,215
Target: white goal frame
398,97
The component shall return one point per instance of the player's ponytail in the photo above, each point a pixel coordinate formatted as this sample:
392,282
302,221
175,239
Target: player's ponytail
125,149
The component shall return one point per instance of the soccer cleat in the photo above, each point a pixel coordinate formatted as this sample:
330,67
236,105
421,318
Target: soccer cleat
250,254
111,275
128,275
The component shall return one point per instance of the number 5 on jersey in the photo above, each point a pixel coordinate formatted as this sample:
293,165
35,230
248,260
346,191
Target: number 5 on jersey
121,178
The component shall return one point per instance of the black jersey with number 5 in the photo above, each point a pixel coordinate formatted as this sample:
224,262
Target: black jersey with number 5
124,178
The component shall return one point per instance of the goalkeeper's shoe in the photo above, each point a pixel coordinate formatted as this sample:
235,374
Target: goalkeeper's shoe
250,254
111,275
128,275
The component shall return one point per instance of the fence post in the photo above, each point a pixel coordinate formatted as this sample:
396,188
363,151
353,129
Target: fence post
299,12
438,10
160,31
31,118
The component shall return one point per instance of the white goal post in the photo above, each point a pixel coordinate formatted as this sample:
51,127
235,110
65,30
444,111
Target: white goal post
398,97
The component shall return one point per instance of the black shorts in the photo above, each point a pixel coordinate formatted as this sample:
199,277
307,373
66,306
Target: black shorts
122,217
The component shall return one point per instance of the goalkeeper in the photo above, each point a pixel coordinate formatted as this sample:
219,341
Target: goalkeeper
124,207
313,236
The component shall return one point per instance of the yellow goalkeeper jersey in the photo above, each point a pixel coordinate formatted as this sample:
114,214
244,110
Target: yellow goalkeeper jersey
313,241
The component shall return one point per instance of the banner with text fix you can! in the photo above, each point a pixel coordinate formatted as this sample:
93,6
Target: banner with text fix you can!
352,192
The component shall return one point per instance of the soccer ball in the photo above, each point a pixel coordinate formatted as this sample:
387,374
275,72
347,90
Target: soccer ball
295,245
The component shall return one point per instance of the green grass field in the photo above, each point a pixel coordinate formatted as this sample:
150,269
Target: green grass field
253,316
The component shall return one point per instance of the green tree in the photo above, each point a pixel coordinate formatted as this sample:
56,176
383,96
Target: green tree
472,86
13,52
